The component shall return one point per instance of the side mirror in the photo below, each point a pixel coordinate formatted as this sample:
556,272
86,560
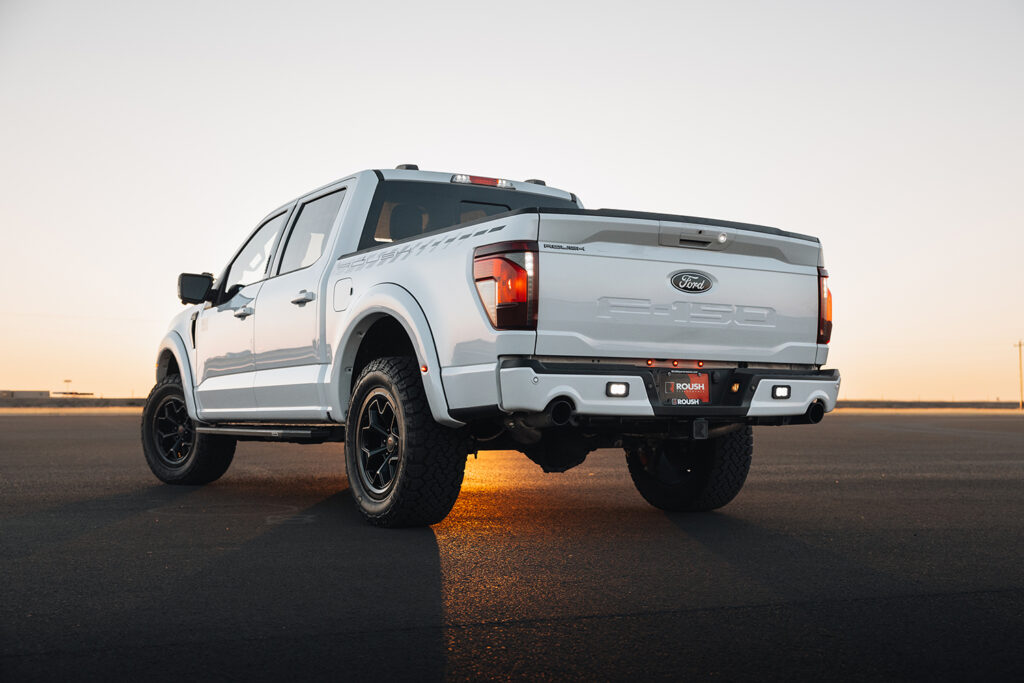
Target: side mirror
193,288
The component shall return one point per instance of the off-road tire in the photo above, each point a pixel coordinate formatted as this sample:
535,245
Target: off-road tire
175,453
692,476
413,480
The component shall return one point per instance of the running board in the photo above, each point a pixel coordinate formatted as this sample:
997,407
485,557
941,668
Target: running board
271,432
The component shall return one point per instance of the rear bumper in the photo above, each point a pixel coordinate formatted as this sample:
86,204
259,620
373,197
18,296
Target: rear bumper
802,393
529,386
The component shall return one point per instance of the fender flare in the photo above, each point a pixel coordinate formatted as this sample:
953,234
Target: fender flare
174,344
389,299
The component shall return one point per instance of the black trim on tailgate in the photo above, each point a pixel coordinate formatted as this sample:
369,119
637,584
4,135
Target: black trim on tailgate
645,216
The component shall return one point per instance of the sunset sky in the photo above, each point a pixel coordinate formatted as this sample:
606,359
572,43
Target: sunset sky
140,140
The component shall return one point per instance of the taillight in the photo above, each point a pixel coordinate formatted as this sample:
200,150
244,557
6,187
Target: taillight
506,280
824,308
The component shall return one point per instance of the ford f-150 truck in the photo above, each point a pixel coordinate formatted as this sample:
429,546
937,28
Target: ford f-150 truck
420,317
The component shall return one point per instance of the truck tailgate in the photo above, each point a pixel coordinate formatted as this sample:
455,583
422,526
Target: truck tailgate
741,293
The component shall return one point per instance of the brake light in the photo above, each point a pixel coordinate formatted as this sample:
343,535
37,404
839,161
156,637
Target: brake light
481,180
824,308
505,275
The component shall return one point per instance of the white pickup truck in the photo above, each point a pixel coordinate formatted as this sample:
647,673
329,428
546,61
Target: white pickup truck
420,317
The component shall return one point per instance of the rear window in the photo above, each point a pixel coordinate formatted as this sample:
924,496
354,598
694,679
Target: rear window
404,208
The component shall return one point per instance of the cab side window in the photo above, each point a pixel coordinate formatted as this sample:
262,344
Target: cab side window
251,263
310,233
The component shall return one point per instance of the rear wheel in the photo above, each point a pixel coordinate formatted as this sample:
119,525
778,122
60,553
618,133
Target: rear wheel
174,451
403,468
692,476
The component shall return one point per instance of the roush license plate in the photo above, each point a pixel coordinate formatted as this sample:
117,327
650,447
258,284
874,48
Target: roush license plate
685,389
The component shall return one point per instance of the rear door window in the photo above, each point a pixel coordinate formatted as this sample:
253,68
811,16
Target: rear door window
309,235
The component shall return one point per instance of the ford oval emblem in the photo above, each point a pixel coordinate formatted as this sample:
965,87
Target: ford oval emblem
691,281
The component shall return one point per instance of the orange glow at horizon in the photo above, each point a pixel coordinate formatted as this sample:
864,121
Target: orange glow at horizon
130,160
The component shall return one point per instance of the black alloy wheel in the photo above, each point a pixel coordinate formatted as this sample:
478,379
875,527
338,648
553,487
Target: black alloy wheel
173,432
380,443
174,450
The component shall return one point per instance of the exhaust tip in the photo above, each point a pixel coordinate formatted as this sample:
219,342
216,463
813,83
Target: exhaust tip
561,412
815,412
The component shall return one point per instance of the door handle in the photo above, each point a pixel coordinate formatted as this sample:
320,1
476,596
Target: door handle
243,312
303,298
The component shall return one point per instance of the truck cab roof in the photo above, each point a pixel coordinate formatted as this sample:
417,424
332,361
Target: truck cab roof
445,177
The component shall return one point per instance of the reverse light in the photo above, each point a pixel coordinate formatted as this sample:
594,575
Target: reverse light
616,389
481,180
824,308
781,391
505,275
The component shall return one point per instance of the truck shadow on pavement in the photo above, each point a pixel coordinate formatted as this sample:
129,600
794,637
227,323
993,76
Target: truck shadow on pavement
212,594
49,528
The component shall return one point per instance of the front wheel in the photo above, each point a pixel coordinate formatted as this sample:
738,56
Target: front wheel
403,468
174,451
693,476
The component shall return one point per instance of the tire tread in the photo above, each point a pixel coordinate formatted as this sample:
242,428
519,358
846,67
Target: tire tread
211,457
434,456
726,462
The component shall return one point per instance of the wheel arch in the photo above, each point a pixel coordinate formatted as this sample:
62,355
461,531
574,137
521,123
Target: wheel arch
384,337
387,320
166,364
172,358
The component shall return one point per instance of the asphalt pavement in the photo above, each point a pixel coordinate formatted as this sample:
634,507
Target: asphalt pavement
869,547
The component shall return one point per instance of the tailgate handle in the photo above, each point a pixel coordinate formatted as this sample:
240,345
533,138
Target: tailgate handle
692,237
688,242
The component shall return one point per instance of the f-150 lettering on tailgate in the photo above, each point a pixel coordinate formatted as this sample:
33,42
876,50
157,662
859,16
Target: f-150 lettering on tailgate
686,312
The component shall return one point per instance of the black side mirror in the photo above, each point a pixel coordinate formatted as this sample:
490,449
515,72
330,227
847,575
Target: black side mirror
193,288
